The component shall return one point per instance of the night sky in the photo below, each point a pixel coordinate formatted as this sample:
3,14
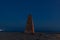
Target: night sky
14,14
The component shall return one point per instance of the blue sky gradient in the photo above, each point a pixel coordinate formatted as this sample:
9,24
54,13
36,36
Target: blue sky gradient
14,13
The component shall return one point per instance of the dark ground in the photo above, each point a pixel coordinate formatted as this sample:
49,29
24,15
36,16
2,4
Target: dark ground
23,36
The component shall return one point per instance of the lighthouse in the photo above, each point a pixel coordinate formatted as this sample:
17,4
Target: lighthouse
29,26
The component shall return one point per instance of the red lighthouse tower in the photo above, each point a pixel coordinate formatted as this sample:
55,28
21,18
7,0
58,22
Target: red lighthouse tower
30,26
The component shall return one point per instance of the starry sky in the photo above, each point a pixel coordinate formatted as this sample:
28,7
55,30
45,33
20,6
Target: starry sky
14,13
